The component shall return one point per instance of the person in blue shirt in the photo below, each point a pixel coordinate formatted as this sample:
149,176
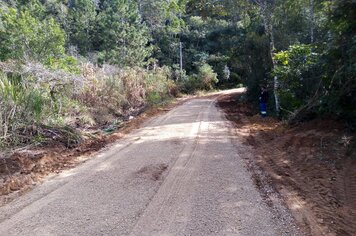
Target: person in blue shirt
263,100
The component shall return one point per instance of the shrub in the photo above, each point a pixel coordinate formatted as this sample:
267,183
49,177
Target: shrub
296,68
21,103
159,86
190,85
206,77
83,95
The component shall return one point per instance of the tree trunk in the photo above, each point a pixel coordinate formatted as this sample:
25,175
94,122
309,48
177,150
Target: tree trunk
267,15
311,21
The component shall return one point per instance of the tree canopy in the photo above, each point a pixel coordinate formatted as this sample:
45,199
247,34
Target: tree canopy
303,50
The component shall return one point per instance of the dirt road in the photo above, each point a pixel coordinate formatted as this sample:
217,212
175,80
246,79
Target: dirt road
180,174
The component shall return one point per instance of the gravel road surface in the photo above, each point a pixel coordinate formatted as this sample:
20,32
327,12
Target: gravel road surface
180,174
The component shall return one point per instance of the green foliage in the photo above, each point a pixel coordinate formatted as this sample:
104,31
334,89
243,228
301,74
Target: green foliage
67,63
163,15
294,64
21,104
159,86
23,36
81,19
339,68
88,97
224,43
253,63
34,7
207,77
165,21
190,85
296,69
120,35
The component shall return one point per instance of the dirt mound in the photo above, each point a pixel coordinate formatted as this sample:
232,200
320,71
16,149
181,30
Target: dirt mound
312,165
23,169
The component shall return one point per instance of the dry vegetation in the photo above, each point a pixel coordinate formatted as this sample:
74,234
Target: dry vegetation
23,168
41,105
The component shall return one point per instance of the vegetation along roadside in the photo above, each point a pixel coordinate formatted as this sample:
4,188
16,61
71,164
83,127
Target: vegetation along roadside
73,72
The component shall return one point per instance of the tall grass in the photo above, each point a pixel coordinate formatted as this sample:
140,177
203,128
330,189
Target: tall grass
34,98
21,102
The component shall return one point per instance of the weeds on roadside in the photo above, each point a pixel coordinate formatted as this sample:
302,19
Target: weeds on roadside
40,105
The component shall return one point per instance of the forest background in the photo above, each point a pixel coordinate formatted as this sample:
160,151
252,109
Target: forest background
67,65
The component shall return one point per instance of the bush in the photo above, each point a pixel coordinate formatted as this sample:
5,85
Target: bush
206,77
296,70
159,86
189,85
22,104
77,95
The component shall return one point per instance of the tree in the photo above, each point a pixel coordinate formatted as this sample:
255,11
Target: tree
121,37
295,67
340,61
58,10
23,36
267,8
81,18
165,20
